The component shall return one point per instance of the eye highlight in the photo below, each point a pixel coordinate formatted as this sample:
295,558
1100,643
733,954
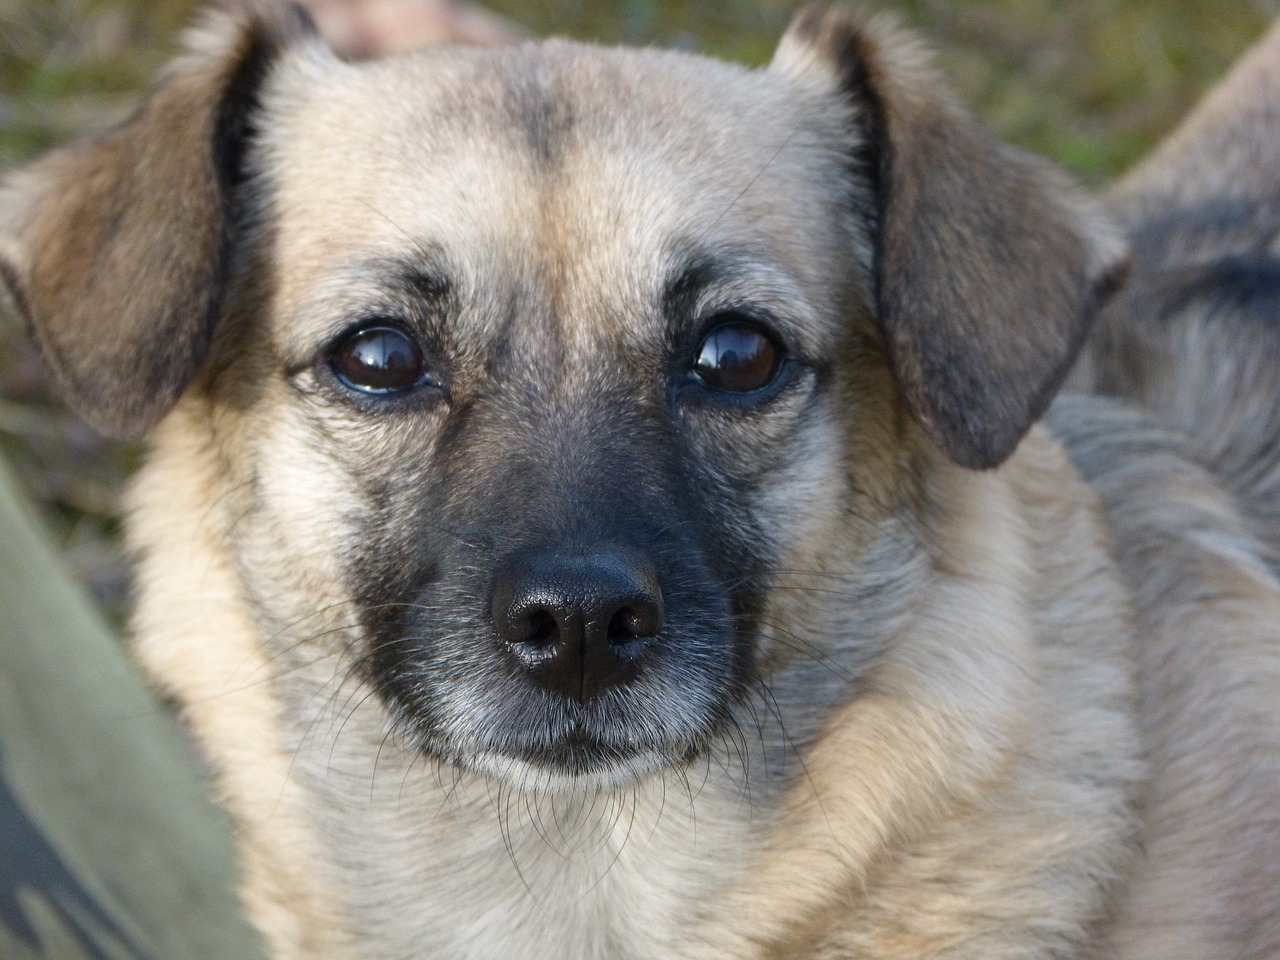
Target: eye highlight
378,360
737,356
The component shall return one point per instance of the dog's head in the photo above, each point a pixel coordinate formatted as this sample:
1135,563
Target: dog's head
548,362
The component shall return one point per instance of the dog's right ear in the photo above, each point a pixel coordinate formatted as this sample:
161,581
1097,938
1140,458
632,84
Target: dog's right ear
114,249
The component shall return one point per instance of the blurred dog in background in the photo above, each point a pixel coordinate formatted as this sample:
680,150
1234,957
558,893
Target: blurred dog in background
598,506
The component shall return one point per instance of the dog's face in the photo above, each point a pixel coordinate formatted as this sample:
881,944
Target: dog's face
542,370
531,372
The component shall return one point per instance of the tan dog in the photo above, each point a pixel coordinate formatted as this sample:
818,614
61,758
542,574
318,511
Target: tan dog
597,511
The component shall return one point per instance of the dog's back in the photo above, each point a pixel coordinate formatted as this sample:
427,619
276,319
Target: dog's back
1194,337
1188,465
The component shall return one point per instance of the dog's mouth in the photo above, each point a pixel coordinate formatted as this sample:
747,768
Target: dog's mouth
530,737
584,666
475,707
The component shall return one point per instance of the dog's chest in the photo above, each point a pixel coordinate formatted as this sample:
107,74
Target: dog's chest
427,866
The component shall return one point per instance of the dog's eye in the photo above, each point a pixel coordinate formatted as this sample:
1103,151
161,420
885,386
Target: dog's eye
379,360
737,357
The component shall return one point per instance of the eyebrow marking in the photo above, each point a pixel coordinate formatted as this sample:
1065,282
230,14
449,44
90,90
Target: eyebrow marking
544,118
698,270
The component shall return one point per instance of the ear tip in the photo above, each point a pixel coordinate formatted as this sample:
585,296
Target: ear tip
1110,281
830,26
817,43
282,12
807,23
120,414
225,22
847,42
985,433
824,28
816,20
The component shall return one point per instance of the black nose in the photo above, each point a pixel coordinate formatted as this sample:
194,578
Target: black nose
578,621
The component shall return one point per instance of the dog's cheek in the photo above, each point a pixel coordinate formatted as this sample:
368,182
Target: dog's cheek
817,498
302,497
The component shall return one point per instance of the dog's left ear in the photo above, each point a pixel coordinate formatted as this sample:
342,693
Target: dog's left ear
989,263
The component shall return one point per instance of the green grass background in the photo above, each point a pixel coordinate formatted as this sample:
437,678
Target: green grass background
1092,83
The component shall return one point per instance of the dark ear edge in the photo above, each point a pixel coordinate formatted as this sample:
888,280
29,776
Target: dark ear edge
990,265
114,249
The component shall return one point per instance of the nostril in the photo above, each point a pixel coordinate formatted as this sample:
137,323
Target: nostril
631,623
622,628
542,629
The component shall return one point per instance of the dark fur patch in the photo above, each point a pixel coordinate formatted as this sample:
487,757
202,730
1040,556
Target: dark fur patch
235,118
1246,286
544,118
1221,226
1232,300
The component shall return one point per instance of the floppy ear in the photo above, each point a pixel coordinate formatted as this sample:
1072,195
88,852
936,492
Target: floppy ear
989,263
114,249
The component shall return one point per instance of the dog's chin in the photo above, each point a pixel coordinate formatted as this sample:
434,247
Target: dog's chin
577,763
574,769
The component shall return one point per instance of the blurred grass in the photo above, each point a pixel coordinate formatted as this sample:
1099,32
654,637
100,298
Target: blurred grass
1093,83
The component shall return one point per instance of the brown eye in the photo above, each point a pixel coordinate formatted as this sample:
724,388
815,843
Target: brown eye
379,360
737,357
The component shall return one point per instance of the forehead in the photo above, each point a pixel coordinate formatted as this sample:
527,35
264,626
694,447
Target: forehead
583,173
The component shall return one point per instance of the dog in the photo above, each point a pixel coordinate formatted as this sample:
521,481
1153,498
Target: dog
613,504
